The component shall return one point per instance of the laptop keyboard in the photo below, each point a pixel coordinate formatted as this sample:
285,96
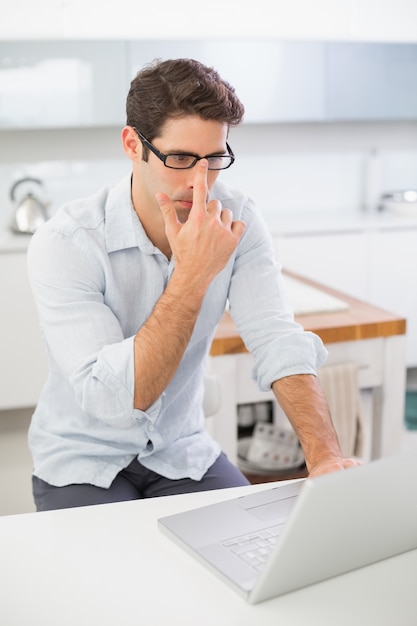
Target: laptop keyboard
254,548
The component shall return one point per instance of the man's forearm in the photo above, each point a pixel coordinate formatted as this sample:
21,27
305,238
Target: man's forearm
302,399
161,342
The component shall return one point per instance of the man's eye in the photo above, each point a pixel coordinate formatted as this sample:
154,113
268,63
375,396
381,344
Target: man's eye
183,159
214,160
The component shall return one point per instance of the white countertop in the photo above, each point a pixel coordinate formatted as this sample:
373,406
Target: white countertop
328,222
305,299
12,242
110,565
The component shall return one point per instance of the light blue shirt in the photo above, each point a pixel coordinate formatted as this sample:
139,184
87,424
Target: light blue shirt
96,277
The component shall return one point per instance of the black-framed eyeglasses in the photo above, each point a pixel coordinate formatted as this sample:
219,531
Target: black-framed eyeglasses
184,161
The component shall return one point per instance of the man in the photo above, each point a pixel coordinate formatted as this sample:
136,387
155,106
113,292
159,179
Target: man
130,285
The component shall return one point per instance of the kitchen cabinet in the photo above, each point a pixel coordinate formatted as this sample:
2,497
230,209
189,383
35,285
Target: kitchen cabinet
370,81
393,270
62,84
23,367
276,81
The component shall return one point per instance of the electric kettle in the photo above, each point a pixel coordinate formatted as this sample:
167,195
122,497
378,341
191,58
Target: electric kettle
30,212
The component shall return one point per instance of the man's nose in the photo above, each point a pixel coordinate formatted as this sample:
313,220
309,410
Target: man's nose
190,177
192,173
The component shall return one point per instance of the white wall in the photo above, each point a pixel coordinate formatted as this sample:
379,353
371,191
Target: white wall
362,20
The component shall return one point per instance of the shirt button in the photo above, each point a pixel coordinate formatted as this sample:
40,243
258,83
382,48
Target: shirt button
151,428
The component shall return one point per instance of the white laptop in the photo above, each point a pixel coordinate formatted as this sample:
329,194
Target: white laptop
318,528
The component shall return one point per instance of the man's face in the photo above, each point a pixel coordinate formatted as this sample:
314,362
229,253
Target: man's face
185,135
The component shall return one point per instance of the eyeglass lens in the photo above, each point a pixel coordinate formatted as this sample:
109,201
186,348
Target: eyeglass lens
185,161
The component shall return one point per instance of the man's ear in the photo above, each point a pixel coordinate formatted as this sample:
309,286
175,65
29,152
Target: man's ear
131,143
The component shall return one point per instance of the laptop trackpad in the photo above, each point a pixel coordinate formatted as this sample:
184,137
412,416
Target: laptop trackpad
276,512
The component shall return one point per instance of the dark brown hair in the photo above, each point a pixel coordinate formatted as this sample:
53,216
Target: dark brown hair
176,88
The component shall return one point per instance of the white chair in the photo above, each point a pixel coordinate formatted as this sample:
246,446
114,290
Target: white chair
212,396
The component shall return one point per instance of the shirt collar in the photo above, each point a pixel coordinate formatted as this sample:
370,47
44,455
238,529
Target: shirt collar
123,228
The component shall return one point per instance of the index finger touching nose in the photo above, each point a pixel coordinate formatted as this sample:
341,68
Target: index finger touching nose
200,190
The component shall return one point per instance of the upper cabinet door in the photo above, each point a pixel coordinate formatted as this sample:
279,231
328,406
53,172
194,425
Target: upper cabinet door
371,81
276,81
47,84
62,84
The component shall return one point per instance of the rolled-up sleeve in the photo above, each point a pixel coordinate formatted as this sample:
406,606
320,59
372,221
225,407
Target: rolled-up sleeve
260,307
112,380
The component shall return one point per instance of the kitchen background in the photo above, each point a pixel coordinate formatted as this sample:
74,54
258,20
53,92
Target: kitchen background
331,124
328,126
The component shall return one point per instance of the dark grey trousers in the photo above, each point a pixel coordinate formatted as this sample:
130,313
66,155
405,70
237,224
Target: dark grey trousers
133,483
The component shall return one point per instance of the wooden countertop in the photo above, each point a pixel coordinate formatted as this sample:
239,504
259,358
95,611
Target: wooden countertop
360,321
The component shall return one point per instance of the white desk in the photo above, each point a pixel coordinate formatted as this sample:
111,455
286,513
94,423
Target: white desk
109,565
